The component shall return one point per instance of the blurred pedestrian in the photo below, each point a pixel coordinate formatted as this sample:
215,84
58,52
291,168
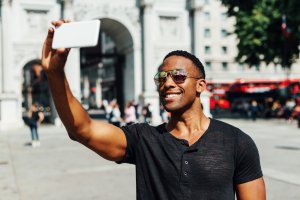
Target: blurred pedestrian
35,119
130,113
288,109
147,114
276,108
163,114
253,110
115,114
296,113
107,108
137,110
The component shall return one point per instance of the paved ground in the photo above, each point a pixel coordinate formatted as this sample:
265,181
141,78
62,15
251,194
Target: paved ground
63,170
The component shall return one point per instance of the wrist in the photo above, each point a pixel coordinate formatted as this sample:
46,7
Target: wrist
55,72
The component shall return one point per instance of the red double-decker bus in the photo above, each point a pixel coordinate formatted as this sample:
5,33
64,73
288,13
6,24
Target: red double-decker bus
295,87
263,88
226,93
218,90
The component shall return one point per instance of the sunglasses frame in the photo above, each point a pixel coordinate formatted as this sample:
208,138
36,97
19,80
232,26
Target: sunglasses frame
169,73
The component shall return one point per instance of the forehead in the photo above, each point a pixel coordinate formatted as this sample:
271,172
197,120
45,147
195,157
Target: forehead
178,62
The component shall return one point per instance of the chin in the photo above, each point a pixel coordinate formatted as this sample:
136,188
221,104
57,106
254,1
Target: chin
172,109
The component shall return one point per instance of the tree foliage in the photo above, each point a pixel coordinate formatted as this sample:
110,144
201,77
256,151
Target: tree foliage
260,33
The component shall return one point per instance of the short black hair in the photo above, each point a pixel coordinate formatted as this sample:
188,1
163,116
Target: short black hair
189,56
35,104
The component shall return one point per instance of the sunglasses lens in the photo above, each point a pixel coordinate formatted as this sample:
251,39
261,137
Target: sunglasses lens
163,74
160,77
178,76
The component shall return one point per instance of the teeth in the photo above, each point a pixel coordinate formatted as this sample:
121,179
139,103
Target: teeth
172,95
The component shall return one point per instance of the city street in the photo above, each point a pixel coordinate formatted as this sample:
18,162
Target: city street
61,169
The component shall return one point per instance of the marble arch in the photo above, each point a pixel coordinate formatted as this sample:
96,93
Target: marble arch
125,31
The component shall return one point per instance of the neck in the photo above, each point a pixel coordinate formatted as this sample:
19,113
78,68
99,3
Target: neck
188,123
191,119
188,128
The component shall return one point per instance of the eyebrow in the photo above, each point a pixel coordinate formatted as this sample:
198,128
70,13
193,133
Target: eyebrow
171,70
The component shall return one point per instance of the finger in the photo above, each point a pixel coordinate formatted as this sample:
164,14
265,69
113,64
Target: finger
62,54
63,51
58,23
46,54
49,38
50,31
47,47
55,23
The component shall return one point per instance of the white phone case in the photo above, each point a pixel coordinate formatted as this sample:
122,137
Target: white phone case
76,34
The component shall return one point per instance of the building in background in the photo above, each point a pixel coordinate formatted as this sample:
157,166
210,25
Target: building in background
135,35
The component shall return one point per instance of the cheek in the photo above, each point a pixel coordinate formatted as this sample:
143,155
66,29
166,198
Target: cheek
159,89
190,96
190,89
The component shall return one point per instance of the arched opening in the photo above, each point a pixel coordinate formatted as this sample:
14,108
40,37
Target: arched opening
107,70
35,89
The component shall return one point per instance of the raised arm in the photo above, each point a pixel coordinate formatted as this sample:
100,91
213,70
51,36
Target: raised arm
41,117
252,190
103,138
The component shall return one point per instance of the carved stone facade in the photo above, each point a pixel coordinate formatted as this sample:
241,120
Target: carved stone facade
143,32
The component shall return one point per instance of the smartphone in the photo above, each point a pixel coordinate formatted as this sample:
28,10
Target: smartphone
76,34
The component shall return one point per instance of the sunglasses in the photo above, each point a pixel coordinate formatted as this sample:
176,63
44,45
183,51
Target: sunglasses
177,75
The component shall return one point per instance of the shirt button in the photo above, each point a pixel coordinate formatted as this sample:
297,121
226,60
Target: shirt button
186,162
185,173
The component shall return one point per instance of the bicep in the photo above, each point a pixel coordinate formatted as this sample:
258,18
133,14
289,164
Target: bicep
252,190
106,140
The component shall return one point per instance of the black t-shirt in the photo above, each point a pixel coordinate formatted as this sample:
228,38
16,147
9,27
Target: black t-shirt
167,168
35,116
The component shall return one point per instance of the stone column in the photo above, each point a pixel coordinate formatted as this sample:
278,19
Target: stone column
196,7
149,94
1,51
7,59
10,110
149,67
73,63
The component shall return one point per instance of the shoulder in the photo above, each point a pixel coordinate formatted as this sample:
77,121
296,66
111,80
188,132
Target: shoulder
224,127
243,142
232,131
144,129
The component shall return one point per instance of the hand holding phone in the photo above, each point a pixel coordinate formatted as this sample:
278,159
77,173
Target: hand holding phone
76,34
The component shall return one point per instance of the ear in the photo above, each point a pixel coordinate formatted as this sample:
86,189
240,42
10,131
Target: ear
201,85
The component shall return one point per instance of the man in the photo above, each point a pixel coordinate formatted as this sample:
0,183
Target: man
35,119
190,157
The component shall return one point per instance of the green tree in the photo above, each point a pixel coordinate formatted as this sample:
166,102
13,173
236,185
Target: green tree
260,33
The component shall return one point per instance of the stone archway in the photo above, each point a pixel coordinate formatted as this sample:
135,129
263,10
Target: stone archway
108,70
35,89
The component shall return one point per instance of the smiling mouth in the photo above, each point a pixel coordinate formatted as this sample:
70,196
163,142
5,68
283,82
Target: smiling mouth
172,95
